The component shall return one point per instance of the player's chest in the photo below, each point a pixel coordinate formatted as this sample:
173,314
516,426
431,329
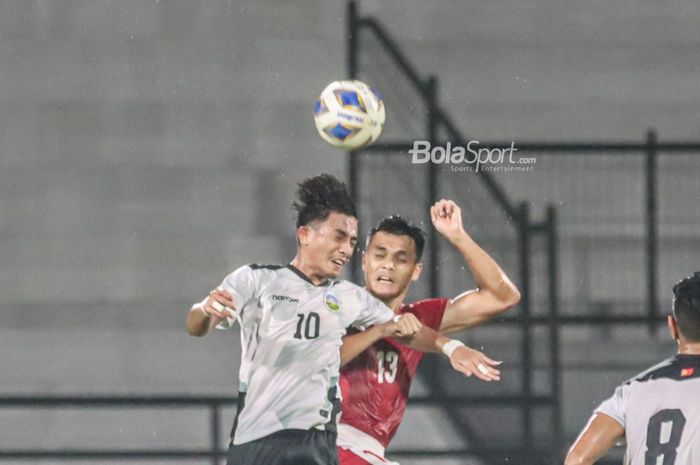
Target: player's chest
390,362
306,312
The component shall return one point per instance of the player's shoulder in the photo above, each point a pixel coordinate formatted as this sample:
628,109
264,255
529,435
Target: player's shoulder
257,266
426,305
677,368
345,285
255,271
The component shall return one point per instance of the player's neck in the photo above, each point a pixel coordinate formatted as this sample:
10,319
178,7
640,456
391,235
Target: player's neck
395,303
689,348
308,270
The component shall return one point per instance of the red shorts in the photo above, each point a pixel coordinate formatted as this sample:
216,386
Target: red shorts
348,457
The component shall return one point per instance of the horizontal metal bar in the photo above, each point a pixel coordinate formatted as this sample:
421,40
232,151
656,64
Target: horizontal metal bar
84,454
183,401
581,319
113,401
481,451
81,454
483,401
557,148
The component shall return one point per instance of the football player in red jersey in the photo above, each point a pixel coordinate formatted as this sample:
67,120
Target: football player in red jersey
377,372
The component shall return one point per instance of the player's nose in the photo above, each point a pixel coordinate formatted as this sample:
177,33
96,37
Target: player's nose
346,250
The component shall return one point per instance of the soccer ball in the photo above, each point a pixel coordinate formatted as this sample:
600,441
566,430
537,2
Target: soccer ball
349,114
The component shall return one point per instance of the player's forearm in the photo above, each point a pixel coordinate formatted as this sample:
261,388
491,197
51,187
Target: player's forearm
198,322
488,275
425,340
355,344
600,434
573,459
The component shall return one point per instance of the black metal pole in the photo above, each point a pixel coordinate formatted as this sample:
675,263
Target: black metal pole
353,157
526,348
432,129
215,432
554,345
352,31
652,229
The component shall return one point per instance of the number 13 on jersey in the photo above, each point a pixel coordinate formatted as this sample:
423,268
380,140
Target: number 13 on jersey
387,365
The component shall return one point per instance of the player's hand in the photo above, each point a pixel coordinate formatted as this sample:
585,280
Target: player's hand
447,218
405,325
219,304
472,362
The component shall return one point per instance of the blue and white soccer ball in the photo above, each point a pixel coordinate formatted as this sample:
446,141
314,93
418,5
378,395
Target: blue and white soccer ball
349,114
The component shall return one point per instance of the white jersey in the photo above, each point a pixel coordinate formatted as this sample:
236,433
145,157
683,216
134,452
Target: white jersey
291,333
660,411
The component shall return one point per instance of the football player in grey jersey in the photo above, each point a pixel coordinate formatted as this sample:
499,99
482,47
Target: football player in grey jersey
658,411
292,320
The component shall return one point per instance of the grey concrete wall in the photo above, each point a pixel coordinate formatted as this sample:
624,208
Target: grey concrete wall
148,148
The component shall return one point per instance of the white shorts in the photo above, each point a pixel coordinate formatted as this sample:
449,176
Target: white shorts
362,445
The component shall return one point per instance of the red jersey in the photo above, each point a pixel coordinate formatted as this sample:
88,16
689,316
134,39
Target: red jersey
375,385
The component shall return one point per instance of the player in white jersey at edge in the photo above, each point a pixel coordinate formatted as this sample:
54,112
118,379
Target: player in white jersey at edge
293,318
658,411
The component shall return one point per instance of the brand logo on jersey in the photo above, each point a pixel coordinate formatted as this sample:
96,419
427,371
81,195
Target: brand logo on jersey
685,372
285,298
332,303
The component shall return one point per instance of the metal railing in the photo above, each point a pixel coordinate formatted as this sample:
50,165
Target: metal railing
437,118
214,404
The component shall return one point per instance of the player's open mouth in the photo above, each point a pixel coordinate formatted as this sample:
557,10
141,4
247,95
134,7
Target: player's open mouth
384,279
339,262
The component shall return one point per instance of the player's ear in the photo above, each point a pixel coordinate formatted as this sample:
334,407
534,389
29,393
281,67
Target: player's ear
364,258
303,235
417,271
672,327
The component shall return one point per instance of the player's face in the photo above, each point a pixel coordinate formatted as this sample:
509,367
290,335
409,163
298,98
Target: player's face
330,243
390,264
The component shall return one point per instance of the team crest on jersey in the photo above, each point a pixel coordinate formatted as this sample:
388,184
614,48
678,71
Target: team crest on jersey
331,302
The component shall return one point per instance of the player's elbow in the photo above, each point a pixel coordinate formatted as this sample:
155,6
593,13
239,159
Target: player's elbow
195,333
575,458
507,298
194,328
508,294
513,297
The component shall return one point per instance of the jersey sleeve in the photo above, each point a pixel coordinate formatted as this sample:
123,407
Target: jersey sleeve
430,312
242,286
614,407
373,312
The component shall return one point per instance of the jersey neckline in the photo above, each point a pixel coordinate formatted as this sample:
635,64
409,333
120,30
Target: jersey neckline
301,274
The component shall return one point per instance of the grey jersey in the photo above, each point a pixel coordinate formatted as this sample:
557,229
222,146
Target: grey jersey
660,411
291,334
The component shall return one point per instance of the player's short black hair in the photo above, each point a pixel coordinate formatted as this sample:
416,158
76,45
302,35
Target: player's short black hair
399,226
317,197
686,306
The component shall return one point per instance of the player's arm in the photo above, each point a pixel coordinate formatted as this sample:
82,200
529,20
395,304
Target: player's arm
208,313
462,358
405,325
355,344
601,433
495,292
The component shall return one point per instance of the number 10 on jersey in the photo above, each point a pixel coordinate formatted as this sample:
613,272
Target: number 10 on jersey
308,326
